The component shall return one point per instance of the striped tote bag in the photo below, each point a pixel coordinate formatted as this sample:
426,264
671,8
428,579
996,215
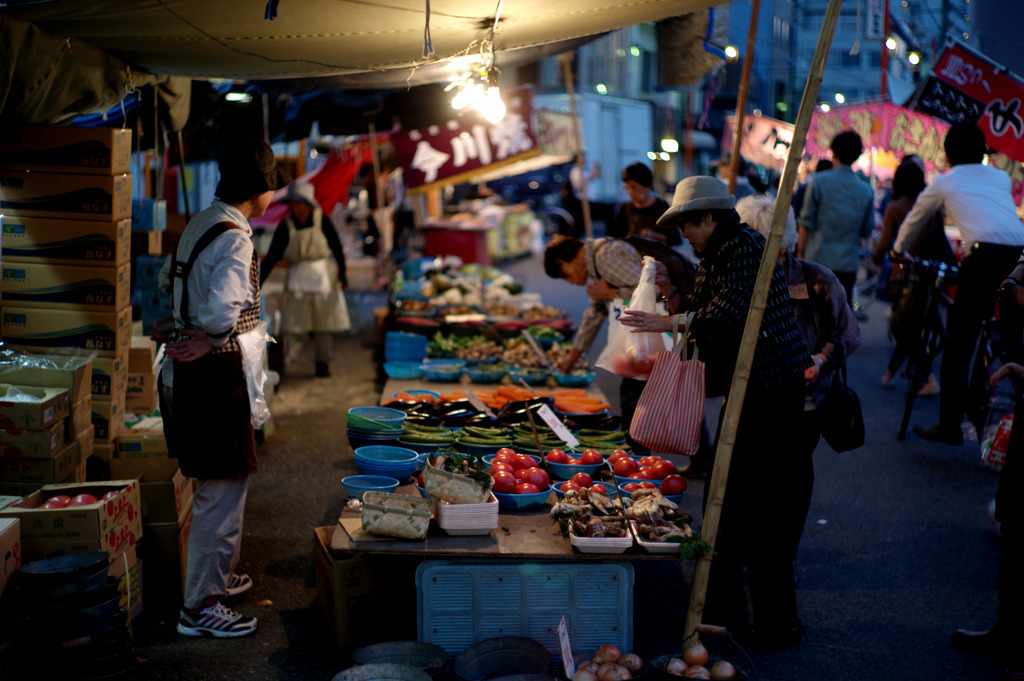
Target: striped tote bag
670,411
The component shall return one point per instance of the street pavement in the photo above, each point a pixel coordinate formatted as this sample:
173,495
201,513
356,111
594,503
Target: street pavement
897,550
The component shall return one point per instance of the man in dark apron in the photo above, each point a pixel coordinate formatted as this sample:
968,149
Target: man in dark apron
211,383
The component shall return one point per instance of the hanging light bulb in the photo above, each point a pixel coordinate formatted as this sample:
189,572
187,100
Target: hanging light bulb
461,99
493,108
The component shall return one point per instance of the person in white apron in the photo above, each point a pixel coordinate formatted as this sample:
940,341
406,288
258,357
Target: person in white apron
211,380
314,294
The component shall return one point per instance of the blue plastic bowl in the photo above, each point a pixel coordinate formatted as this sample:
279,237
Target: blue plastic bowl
358,440
478,376
355,485
564,471
608,487
387,416
399,472
386,455
423,449
572,381
480,450
522,502
403,370
404,346
530,378
443,371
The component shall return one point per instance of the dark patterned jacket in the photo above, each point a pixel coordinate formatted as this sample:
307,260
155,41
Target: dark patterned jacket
723,291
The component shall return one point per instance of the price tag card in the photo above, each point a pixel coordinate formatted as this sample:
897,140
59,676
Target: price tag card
478,404
563,645
536,348
556,425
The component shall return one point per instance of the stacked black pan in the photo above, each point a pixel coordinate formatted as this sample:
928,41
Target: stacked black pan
71,625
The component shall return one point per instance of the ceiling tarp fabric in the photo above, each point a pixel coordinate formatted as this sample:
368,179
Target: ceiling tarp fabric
691,46
309,38
50,80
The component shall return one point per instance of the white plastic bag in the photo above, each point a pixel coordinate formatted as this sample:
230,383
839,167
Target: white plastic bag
632,355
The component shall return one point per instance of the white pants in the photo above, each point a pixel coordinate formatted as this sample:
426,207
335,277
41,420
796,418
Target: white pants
216,538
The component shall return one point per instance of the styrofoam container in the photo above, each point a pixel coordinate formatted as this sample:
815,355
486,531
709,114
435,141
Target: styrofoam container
601,544
456,603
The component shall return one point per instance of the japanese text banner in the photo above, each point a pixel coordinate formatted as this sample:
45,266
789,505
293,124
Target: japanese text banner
447,153
966,86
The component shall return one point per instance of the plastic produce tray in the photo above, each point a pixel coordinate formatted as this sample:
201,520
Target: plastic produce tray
465,602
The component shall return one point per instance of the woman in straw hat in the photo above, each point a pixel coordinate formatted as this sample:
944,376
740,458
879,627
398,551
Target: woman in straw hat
730,253
314,298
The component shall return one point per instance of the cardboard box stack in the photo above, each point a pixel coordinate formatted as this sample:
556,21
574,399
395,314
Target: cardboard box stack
141,453
46,431
141,391
66,199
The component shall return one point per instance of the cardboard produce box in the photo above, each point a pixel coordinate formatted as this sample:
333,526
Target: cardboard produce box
66,148
66,195
142,451
351,591
64,367
164,555
62,241
164,500
106,332
38,444
108,417
141,391
65,287
63,467
10,549
110,375
79,418
31,407
111,521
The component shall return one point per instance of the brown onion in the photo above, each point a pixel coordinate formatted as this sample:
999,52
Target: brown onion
695,654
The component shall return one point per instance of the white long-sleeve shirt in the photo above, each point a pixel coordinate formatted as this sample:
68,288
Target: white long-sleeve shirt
220,287
979,201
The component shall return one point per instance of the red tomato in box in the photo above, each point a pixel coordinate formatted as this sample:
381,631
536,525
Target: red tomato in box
591,457
83,500
524,461
557,456
662,469
527,488
631,487
536,476
673,484
504,482
583,480
625,467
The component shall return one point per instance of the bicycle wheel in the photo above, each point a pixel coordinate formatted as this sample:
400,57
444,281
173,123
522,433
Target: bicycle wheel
921,359
986,360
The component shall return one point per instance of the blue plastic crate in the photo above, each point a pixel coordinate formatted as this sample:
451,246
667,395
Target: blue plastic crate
462,603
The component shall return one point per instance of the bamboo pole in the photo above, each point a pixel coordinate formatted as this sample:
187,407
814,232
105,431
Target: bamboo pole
741,99
588,228
730,420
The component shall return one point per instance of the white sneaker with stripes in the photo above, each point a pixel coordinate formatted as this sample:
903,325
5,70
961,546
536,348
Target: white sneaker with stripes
238,584
217,621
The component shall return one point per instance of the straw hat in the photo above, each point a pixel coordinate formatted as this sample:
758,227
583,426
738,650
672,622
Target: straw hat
303,191
700,192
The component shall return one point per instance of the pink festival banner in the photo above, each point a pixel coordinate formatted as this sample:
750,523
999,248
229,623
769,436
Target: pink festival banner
894,132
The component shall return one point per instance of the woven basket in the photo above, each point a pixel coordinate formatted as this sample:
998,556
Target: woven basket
454,488
396,515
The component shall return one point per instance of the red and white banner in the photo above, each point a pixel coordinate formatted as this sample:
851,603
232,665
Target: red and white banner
967,86
462,147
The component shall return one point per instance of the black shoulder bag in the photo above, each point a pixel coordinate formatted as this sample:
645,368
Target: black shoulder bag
842,421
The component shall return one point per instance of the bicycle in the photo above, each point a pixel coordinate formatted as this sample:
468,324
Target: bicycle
917,321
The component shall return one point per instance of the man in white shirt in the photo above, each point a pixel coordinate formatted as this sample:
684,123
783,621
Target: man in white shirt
978,200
